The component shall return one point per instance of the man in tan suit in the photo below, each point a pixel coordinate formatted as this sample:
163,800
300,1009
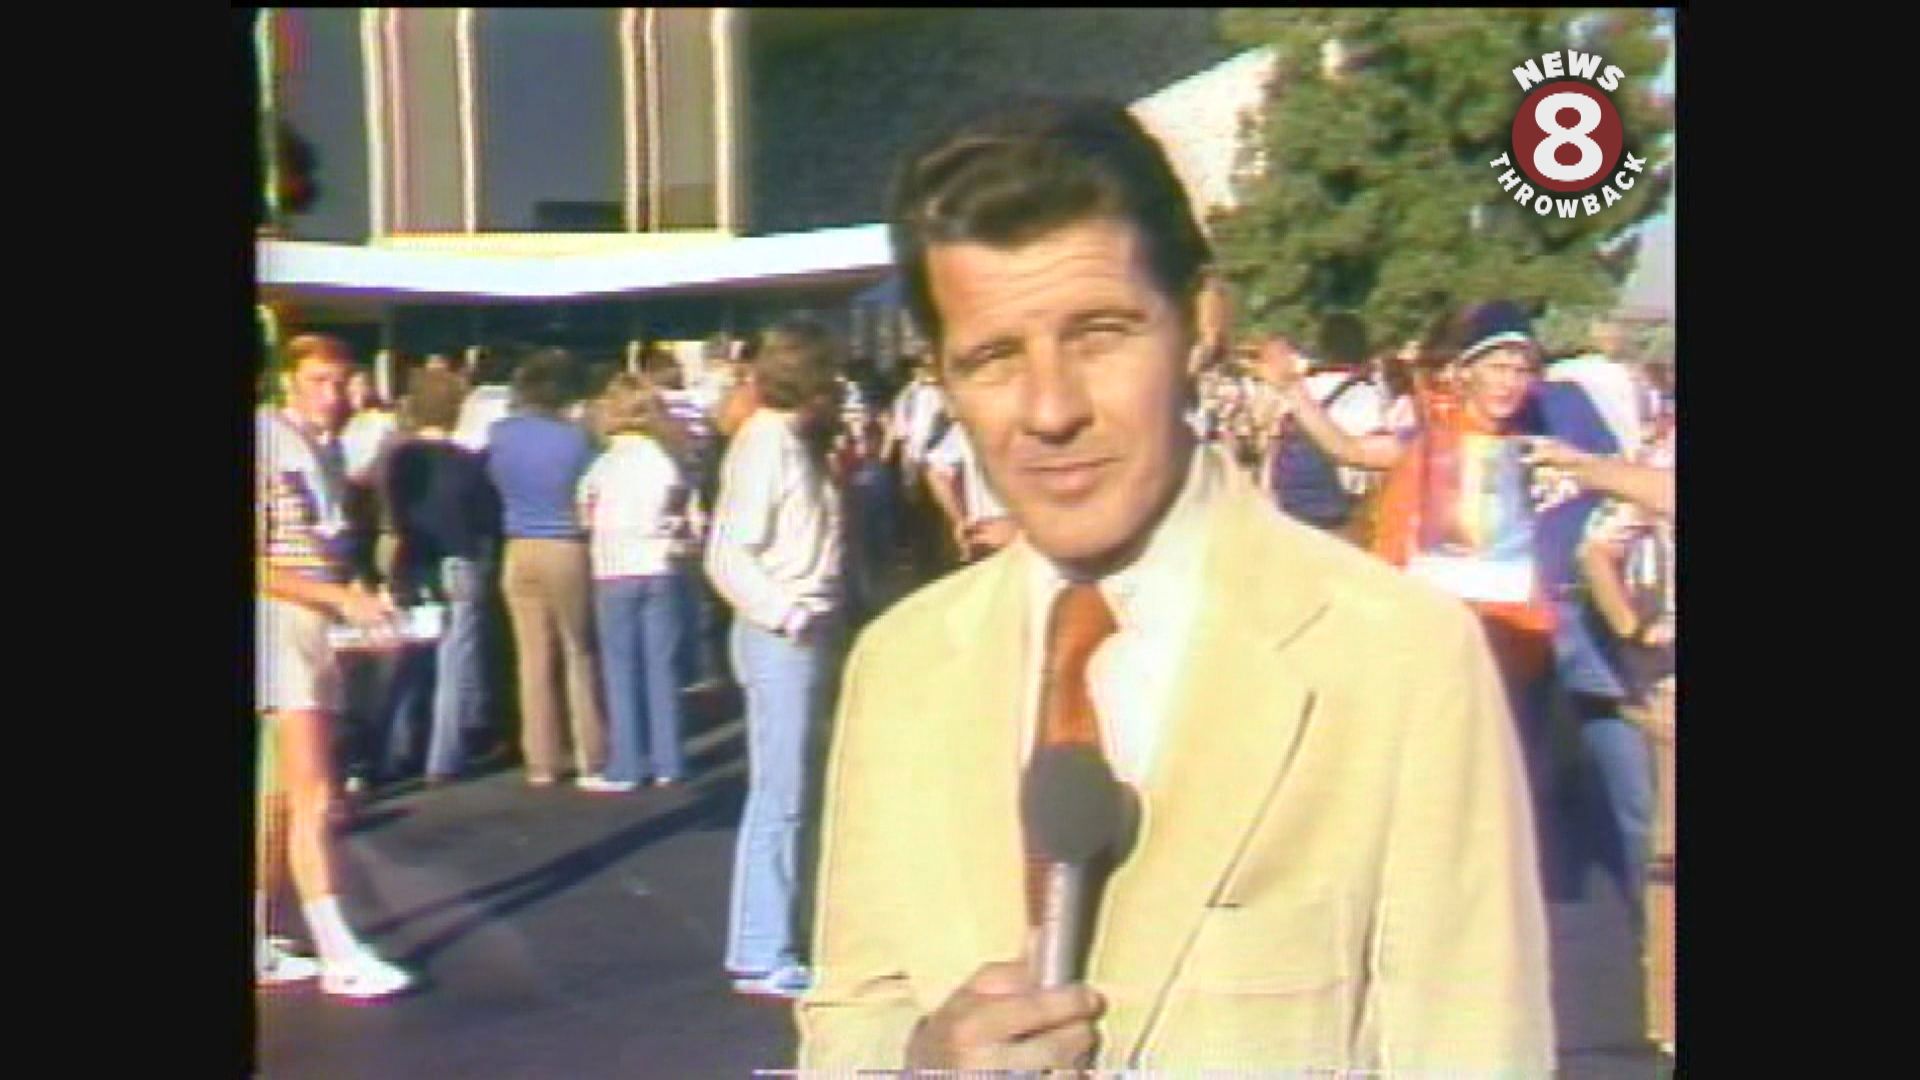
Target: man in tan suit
1334,862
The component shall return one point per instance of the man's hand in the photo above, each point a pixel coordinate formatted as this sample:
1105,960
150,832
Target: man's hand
1542,452
1001,1019
366,609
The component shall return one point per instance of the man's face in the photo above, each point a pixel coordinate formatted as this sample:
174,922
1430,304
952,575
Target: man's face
1069,369
317,391
1496,383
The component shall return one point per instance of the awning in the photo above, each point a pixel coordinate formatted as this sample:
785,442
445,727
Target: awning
295,269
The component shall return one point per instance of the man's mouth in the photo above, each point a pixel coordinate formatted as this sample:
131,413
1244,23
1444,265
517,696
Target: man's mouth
1066,481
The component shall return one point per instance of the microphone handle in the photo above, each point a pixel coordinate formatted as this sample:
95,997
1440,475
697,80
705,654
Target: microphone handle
1055,961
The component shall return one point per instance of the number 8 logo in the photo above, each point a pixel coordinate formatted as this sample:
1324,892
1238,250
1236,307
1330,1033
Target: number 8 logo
1547,115
1542,143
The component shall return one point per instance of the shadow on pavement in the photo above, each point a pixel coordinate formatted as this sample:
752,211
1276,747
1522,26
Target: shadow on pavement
716,807
368,820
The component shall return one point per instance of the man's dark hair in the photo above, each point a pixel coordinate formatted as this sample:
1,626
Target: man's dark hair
1343,340
797,360
1029,167
543,379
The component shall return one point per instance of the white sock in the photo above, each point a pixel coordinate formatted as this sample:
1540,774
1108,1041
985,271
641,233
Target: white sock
331,937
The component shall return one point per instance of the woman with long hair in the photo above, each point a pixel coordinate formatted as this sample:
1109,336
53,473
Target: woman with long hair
775,555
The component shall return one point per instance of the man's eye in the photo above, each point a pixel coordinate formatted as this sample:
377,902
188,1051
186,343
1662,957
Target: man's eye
986,359
1102,334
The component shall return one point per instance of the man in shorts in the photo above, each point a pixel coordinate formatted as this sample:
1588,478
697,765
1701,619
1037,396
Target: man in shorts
300,537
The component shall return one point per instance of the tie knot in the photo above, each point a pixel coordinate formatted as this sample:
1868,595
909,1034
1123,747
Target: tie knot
1081,620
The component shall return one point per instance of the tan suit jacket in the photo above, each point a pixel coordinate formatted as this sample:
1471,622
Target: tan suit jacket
1335,865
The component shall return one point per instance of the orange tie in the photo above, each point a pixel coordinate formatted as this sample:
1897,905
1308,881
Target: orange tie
1079,622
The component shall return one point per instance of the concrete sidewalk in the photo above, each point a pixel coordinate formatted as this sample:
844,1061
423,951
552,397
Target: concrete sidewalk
567,935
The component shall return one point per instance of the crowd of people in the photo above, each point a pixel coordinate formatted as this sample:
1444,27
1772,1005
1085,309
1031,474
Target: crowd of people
629,524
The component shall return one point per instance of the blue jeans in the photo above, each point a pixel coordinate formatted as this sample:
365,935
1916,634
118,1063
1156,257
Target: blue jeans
786,684
640,623
699,660
450,675
1618,750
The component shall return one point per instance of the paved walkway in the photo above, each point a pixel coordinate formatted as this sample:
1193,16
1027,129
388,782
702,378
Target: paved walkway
562,934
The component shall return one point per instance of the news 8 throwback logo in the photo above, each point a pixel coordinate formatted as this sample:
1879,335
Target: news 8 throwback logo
1568,154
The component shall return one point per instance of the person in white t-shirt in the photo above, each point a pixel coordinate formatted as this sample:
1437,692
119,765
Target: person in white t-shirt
976,519
916,413
490,399
633,500
919,413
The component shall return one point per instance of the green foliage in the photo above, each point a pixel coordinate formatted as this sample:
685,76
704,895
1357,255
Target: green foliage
1367,199
1567,331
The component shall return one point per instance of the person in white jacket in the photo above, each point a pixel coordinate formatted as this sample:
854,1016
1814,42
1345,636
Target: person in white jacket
775,555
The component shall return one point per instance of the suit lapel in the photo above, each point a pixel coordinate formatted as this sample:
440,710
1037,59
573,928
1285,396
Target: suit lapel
1239,715
978,706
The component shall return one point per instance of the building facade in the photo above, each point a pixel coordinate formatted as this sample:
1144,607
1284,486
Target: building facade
534,137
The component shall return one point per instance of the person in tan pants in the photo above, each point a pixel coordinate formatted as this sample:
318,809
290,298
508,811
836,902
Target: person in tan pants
535,459
550,602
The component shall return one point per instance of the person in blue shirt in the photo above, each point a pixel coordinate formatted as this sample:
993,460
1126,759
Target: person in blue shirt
535,460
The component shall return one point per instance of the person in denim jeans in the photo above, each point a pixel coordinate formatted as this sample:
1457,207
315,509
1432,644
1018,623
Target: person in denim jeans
632,500
775,554
448,519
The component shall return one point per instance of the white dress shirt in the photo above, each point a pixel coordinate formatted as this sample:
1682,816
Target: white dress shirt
774,551
1155,601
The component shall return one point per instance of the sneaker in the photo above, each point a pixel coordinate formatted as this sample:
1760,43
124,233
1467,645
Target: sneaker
602,784
363,978
276,964
787,981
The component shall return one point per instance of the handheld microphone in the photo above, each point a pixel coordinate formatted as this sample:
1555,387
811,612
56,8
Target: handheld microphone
1075,812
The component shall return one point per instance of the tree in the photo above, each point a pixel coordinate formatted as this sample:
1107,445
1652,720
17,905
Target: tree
1370,187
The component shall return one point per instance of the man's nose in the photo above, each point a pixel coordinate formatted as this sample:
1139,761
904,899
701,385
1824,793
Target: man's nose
1055,403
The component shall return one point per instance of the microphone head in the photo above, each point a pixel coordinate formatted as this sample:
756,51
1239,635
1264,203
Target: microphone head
1072,806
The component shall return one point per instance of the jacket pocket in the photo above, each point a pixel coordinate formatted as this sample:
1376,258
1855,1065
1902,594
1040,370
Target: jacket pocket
1263,989
1270,949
